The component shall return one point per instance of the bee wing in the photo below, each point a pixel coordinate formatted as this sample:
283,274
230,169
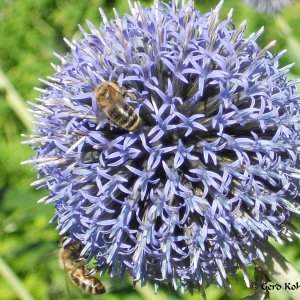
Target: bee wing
101,118
73,291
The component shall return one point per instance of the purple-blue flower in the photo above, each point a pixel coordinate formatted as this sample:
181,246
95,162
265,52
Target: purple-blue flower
268,6
214,168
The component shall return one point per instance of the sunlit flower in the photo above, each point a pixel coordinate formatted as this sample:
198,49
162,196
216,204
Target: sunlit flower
212,170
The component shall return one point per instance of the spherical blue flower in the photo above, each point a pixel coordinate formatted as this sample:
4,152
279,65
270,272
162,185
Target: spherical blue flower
268,6
214,167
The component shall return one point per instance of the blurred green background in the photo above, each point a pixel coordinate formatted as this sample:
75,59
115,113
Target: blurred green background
30,31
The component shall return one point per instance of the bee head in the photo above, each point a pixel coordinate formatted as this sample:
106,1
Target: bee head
73,246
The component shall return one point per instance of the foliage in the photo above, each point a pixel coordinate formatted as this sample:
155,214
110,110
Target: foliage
30,31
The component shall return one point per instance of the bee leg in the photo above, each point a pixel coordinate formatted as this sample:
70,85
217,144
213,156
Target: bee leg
79,259
128,93
90,272
123,91
132,96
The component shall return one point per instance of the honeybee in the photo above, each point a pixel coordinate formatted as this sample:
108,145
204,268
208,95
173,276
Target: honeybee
111,100
78,273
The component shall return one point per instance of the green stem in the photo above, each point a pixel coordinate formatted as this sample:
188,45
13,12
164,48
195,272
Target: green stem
278,269
14,281
15,101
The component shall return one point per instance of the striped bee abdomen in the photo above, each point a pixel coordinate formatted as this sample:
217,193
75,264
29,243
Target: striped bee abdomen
89,284
124,116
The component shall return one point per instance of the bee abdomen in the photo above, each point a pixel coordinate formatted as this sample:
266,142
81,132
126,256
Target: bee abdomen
124,116
89,284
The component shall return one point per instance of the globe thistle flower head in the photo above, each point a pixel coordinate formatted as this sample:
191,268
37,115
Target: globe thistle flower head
213,168
268,6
